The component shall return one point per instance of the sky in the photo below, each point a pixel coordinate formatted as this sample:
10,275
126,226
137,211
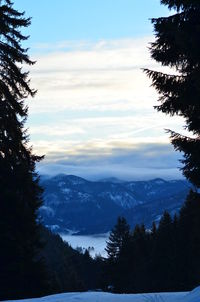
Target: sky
93,114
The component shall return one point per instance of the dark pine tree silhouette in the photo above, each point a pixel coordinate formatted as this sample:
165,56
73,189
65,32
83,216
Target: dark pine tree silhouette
118,237
117,242
164,254
21,272
177,45
138,260
188,273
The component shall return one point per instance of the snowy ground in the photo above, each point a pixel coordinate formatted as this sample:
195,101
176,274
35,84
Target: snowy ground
193,296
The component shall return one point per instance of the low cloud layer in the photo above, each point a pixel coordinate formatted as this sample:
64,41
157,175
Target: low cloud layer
143,161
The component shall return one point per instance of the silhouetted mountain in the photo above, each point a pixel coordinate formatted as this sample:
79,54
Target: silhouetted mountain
73,203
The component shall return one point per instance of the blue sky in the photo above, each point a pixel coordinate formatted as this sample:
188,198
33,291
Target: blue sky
93,114
54,21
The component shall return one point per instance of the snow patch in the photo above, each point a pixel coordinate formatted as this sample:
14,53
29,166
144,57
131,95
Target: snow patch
49,211
66,190
61,184
108,297
53,227
159,181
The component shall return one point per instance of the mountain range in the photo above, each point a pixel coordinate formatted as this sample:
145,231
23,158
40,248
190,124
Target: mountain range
72,203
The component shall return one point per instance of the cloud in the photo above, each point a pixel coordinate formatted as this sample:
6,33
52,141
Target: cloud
56,131
81,77
93,113
141,161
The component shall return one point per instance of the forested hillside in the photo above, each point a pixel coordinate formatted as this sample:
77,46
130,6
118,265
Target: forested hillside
165,258
69,200
68,269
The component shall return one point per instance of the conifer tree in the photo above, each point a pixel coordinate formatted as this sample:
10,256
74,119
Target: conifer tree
177,45
118,237
21,272
189,243
139,259
118,240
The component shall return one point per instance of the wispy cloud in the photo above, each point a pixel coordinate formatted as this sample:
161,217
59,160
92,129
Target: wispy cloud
95,76
98,108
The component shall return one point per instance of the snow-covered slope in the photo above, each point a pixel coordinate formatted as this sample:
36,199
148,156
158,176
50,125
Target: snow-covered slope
193,296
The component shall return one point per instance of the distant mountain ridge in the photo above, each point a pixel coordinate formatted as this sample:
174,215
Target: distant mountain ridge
89,207
112,179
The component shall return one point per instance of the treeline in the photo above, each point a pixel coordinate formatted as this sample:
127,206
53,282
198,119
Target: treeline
165,258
